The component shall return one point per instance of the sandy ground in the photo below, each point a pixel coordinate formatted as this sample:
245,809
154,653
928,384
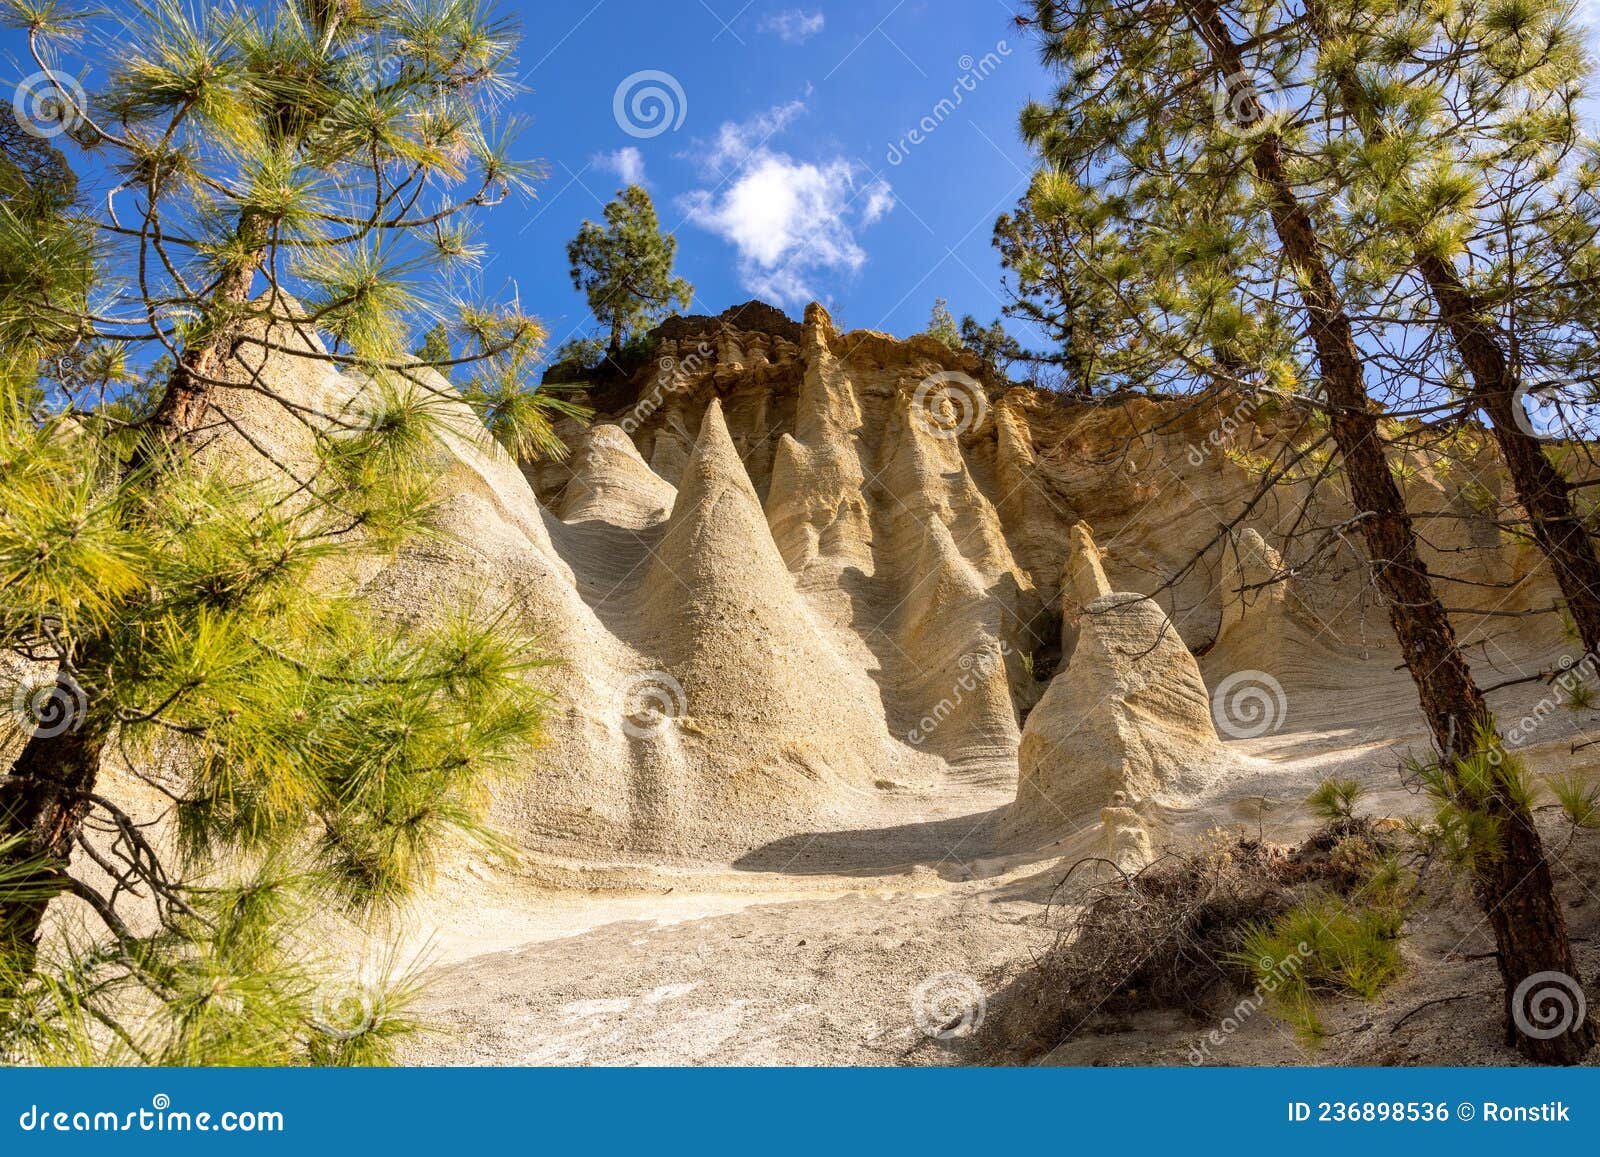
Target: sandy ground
830,949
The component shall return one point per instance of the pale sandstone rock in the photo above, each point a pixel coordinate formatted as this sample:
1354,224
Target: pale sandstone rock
847,598
610,481
1083,580
1124,837
1128,713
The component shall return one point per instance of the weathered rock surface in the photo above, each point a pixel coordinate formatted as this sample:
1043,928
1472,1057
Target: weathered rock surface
612,482
1129,713
802,585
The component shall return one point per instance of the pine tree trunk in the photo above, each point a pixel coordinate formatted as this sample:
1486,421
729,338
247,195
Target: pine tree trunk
1530,935
42,804
187,397
1542,491
1515,889
42,799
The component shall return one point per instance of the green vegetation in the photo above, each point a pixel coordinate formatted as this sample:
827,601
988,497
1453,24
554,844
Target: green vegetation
1335,799
1318,948
1318,200
942,325
1090,323
1342,937
1469,826
624,267
1293,927
1579,800
184,600
996,348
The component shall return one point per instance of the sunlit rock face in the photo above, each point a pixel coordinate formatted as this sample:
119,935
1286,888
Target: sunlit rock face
799,581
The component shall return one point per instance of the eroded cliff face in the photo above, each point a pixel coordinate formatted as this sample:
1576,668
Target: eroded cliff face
879,593
799,582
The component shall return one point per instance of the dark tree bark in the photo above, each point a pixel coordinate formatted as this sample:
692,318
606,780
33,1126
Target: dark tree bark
1544,494
614,347
42,800
42,803
1514,888
187,397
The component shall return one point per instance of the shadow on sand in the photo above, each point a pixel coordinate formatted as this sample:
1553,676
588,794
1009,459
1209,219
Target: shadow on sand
947,846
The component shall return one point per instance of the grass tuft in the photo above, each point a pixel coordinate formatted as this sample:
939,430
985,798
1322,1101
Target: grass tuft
1335,800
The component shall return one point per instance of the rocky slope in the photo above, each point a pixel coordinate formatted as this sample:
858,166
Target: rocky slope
852,656
808,585
798,576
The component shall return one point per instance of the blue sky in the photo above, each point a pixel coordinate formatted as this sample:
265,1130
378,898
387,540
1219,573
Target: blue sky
855,153
777,147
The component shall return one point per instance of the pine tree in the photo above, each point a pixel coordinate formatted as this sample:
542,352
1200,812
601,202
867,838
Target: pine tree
1166,131
1041,242
32,171
296,189
1458,121
41,246
994,346
435,347
624,267
942,325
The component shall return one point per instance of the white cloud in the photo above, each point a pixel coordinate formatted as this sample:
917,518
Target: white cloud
794,25
790,221
880,199
737,143
627,163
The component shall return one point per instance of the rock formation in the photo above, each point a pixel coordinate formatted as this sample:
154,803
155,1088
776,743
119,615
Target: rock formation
800,582
1124,836
1083,580
613,483
1127,715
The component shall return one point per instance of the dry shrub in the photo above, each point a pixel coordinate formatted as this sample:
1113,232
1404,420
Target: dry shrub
1167,936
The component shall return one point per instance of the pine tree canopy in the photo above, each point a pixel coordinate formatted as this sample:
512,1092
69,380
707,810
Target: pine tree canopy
1410,130
292,184
942,325
624,267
